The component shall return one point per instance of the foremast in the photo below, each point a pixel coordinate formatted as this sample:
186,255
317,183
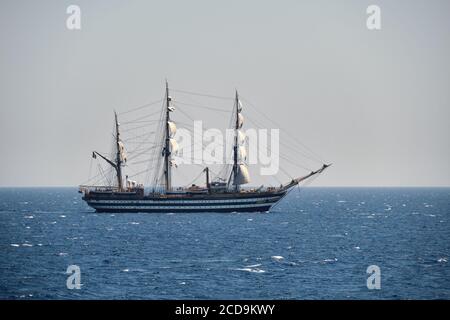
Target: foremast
235,147
119,147
167,166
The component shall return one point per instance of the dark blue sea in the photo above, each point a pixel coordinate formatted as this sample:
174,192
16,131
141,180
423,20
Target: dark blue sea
316,244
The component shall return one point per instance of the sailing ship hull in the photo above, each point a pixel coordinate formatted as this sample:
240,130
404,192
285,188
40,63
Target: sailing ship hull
238,202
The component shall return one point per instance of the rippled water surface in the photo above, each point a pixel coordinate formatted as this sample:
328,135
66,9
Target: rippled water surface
316,244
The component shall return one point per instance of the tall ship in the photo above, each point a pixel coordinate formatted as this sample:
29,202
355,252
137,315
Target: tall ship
223,193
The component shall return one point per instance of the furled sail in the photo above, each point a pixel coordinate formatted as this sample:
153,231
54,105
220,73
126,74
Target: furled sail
172,128
241,137
242,152
173,145
240,120
243,176
123,154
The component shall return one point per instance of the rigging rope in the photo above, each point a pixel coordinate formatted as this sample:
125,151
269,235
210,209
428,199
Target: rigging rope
285,145
318,158
141,117
201,106
202,94
141,107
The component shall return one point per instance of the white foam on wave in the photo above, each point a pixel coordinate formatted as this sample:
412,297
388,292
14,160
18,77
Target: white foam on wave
15,245
133,270
253,265
134,223
277,258
442,260
253,270
29,217
62,216
27,245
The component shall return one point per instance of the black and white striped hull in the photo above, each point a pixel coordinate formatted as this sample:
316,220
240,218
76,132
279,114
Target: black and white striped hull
247,203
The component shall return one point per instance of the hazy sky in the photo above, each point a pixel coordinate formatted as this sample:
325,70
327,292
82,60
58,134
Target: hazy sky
374,103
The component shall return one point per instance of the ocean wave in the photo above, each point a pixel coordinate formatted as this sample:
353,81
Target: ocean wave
330,260
253,265
277,258
253,270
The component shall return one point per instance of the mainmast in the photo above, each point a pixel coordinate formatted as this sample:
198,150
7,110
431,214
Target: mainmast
118,155
167,165
236,146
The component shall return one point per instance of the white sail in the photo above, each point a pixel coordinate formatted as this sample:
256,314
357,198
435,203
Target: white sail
172,128
241,137
123,154
243,176
240,120
173,145
242,152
